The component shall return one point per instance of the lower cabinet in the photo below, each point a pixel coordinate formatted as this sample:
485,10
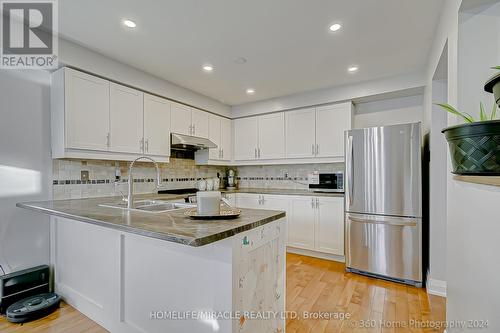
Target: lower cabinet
313,223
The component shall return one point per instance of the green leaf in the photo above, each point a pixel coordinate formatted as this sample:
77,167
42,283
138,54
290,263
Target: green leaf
467,117
494,111
482,114
496,67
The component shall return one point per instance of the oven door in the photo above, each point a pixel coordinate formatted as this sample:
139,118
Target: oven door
384,245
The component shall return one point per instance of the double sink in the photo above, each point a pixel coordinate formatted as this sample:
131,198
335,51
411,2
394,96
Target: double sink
150,206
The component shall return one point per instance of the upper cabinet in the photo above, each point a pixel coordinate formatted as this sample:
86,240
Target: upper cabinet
83,103
156,125
181,119
331,123
126,119
189,121
199,121
261,137
246,139
307,135
271,136
219,132
301,133
92,118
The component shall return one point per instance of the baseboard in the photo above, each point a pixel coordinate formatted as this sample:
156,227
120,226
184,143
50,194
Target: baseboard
436,287
315,254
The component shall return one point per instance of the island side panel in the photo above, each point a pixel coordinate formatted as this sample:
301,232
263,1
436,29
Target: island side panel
259,279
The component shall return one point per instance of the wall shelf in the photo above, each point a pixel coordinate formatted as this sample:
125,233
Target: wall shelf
484,180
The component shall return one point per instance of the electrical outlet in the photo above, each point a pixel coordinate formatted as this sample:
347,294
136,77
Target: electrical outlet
84,176
285,174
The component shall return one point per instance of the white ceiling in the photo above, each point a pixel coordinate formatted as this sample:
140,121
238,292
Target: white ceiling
286,42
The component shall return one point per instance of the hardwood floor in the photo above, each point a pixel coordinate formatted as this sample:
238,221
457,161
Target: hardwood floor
65,319
314,286
322,286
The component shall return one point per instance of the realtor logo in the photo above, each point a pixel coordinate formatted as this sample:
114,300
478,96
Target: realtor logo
29,34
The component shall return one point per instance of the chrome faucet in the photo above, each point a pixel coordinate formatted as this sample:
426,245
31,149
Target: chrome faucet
130,200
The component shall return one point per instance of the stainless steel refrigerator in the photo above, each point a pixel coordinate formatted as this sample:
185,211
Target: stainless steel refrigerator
383,202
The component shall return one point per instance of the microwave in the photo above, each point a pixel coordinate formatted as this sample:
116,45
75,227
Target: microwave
328,182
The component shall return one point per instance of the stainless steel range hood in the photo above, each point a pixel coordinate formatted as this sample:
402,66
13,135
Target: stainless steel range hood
187,142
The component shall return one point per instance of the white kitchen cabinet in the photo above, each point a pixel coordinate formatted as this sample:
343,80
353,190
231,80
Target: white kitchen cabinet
180,119
219,132
271,136
85,110
226,139
330,225
245,138
248,200
126,119
199,122
156,125
301,223
214,135
331,122
301,133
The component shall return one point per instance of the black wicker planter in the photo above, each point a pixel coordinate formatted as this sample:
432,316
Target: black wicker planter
493,86
475,148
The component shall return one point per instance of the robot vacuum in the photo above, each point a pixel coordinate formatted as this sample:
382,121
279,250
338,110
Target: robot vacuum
33,307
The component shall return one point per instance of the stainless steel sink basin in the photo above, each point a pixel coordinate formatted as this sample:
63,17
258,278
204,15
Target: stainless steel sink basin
150,206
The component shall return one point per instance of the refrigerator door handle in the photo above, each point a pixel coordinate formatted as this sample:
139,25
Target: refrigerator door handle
350,159
387,221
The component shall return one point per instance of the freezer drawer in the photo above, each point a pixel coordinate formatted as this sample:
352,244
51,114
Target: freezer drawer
384,245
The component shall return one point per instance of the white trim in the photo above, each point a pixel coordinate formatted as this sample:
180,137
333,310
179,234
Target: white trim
436,287
315,254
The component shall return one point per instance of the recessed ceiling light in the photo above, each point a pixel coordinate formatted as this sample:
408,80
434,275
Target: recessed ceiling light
335,27
250,91
129,23
352,69
208,68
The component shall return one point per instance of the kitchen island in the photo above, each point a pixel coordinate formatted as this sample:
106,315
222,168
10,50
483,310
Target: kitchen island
136,271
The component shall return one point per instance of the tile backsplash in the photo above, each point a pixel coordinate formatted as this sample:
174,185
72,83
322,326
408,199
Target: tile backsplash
179,173
273,176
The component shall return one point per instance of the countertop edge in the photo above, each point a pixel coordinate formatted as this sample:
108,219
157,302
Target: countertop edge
194,242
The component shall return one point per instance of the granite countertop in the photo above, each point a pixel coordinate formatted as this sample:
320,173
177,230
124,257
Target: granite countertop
285,192
171,226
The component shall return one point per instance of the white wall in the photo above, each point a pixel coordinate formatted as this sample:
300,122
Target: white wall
25,167
330,95
77,56
388,112
473,214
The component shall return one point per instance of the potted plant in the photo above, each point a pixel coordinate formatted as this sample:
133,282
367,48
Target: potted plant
474,146
493,85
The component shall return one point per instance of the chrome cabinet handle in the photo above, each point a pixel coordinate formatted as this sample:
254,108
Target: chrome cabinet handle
108,139
317,203
312,203
350,167
222,152
258,151
317,149
255,153
313,153
141,144
194,130
147,145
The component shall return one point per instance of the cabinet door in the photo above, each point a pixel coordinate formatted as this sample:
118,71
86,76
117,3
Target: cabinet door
226,139
156,125
300,133
180,119
330,225
272,136
248,200
200,123
301,223
126,119
331,122
86,111
214,135
245,138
